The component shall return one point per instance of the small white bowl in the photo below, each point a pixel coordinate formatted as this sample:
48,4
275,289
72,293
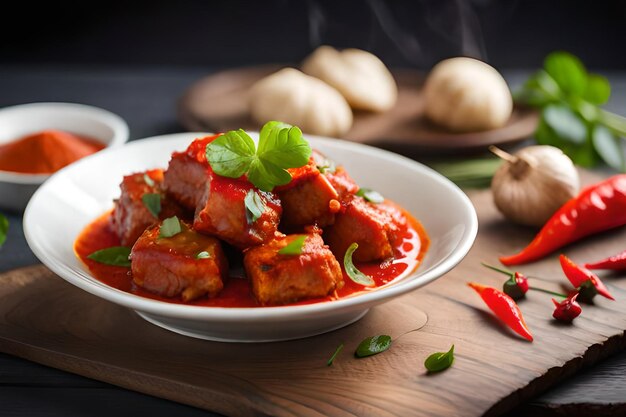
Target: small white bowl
22,120
78,194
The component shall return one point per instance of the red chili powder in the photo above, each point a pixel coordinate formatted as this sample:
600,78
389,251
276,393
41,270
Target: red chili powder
45,152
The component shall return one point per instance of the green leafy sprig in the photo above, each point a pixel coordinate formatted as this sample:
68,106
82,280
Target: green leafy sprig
569,98
281,146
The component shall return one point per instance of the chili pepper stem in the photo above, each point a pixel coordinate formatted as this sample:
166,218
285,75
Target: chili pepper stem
556,294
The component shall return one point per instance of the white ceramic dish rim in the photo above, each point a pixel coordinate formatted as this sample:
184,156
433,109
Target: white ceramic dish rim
260,314
117,124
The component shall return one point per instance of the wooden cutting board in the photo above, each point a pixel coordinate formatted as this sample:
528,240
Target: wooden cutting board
219,102
46,320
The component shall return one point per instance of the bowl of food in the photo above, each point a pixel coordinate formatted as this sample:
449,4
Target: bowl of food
38,139
220,255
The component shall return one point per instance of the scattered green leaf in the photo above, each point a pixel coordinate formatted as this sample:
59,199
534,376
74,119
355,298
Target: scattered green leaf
439,361
332,358
294,247
255,206
370,195
170,227
203,255
281,146
115,255
373,345
473,173
608,147
4,229
148,180
353,272
565,123
152,201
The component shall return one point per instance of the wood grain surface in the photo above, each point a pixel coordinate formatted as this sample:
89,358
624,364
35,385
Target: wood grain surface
219,102
46,320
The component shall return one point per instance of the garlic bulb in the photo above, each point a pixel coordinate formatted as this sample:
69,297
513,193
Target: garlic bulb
534,183
466,95
358,75
298,99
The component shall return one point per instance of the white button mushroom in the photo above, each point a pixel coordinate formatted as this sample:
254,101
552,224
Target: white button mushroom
465,95
295,98
358,75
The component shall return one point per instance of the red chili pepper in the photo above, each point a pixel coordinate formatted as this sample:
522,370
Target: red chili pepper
597,208
516,287
615,263
580,276
567,310
504,308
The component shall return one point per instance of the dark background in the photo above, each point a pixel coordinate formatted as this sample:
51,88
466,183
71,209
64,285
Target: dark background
418,33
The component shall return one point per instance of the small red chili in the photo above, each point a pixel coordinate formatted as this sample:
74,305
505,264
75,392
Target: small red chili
516,287
582,278
597,208
614,263
567,310
504,307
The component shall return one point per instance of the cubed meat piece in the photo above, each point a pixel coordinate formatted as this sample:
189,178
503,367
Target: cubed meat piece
131,216
369,225
312,201
222,212
189,174
188,264
343,183
280,279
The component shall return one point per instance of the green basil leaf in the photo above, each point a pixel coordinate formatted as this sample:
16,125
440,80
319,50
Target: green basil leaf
294,247
373,345
203,255
539,90
170,227
565,123
370,195
4,229
353,272
265,175
152,203
597,90
332,358
255,206
440,361
568,72
148,180
231,154
608,147
115,255
283,146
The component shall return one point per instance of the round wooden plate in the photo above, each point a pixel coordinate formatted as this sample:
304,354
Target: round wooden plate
219,102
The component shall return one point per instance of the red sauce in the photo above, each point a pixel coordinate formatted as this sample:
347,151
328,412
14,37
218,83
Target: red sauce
409,249
45,152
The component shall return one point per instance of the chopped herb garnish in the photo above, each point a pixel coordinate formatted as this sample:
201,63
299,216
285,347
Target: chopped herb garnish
294,247
170,227
352,271
255,206
370,195
439,361
152,203
373,345
203,255
332,358
148,180
281,146
115,255
4,229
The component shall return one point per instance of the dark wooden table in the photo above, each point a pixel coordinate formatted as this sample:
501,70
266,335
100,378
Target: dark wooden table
146,98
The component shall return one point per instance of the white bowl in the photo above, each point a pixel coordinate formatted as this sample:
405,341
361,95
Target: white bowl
76,195
19,121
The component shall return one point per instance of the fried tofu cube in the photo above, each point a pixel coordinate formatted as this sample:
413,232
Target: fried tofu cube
345,186
131,216
222,212
370,225
312,201
188,174
280,279
188,264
